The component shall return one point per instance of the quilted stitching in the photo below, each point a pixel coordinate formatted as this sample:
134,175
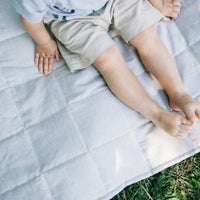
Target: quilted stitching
66,136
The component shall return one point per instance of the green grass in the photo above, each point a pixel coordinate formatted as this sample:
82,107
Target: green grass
179,182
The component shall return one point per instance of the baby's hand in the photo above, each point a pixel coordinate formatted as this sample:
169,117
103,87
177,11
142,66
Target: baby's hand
44,56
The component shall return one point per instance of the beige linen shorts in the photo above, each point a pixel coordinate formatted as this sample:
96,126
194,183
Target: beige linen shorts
82,40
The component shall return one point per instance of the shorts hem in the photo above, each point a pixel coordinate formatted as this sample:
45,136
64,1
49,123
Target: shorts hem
77,61
150,17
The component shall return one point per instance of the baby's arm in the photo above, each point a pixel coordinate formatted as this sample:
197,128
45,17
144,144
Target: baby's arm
46,48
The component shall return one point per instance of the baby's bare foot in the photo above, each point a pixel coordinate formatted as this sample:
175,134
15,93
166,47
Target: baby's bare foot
169,8
174,124
185,103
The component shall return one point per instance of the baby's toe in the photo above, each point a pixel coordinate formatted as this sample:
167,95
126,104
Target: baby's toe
176,10
185,129
176,3
175,13
165,19
191,116
181,135
185,121
198,113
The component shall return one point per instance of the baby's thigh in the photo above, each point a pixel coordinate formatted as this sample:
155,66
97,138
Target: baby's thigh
80,36
83,39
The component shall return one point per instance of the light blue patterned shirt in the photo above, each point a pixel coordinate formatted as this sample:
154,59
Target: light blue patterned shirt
36,10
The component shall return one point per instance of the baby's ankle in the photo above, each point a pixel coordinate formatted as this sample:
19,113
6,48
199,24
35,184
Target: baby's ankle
177,94
153,113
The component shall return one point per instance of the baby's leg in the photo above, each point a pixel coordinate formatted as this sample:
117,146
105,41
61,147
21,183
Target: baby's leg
159,62
127,88
170,8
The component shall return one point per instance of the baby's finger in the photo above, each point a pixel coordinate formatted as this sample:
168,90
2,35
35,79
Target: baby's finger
51,60
57,55
36,58
45,65
41,64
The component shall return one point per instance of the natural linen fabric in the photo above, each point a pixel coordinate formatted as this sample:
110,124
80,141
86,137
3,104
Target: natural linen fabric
66,136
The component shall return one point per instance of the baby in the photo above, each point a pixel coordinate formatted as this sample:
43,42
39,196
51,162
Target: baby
81,29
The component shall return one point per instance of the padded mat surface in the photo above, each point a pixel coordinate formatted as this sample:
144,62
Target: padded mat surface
66,136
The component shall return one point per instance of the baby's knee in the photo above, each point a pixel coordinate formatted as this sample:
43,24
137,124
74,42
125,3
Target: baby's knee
107,56
145,40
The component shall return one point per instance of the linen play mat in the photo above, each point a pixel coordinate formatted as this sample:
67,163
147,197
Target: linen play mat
67,137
